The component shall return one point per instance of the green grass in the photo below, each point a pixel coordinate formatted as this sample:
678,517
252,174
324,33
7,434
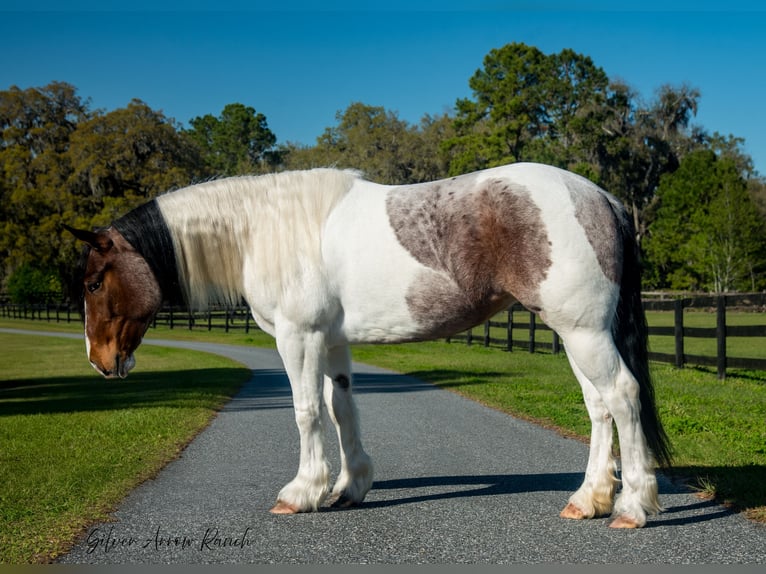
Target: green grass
72,444
716,427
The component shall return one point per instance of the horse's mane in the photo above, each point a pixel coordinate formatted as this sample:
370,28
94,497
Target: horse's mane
145,229
271,223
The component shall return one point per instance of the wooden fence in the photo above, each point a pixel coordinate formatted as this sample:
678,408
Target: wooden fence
509,324
504,331
721,332
224,318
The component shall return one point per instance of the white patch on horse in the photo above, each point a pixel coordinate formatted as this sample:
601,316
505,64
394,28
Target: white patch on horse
87,338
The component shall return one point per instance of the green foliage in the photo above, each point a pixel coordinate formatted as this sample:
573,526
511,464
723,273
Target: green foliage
237,142
31,285
375,141
60,162
527,106
707,233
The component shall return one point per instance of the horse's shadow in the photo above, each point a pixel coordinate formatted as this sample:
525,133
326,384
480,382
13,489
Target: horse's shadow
431,488
434,488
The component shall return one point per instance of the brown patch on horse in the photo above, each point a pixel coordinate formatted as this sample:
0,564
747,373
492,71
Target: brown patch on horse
121,297
594,213
485,245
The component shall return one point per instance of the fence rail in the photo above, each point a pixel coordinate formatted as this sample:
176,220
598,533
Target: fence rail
498,332
680,332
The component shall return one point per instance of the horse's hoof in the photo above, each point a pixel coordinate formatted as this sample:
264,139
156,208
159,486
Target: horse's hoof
342,501
572,512
282,507
623,521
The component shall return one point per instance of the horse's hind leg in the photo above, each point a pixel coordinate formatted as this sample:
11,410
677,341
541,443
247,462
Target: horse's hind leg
596,358
596,495
355,478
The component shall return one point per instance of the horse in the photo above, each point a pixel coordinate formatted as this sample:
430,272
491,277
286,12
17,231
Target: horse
326,259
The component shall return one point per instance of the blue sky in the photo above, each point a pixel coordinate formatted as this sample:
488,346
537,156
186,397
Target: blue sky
299,66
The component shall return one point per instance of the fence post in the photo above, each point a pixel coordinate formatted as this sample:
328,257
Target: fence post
509,343
226,312
720,330
532,329
678,330
469,337
555,347
486,334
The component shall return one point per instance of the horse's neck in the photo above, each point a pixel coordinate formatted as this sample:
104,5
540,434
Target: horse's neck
207,229
273,222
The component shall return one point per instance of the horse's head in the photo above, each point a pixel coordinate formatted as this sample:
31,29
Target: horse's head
121,297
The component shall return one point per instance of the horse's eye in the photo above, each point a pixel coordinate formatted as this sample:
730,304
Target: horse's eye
93,287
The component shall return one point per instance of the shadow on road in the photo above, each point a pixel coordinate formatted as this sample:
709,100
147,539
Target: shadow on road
432,488
429,488
270,389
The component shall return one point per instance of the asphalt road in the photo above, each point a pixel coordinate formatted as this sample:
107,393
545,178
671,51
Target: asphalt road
456,482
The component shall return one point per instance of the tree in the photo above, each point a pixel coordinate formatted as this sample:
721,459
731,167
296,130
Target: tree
126,157
64,164
35,127
707,233
643,143
527,106
238,141
374,140
29,284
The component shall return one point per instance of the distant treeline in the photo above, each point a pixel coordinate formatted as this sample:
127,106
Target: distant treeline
698,205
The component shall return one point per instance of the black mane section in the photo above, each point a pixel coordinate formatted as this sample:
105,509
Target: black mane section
145,229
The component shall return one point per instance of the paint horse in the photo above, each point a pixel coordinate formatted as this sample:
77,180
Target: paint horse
325,259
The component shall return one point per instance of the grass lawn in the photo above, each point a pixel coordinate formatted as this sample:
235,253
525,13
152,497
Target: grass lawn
72,444
716,427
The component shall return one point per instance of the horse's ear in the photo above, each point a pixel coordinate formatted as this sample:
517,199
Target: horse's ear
98,241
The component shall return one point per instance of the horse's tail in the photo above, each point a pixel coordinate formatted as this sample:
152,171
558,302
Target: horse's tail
631,335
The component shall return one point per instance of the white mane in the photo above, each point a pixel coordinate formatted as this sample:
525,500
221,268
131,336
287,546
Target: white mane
273,222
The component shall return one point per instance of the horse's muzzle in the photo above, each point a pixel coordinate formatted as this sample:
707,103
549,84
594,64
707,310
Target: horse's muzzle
120,369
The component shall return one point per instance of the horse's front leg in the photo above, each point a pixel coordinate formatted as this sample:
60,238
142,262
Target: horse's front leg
355,478
304,358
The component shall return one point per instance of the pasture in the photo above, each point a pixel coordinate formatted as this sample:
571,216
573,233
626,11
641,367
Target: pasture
716,427
72,445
